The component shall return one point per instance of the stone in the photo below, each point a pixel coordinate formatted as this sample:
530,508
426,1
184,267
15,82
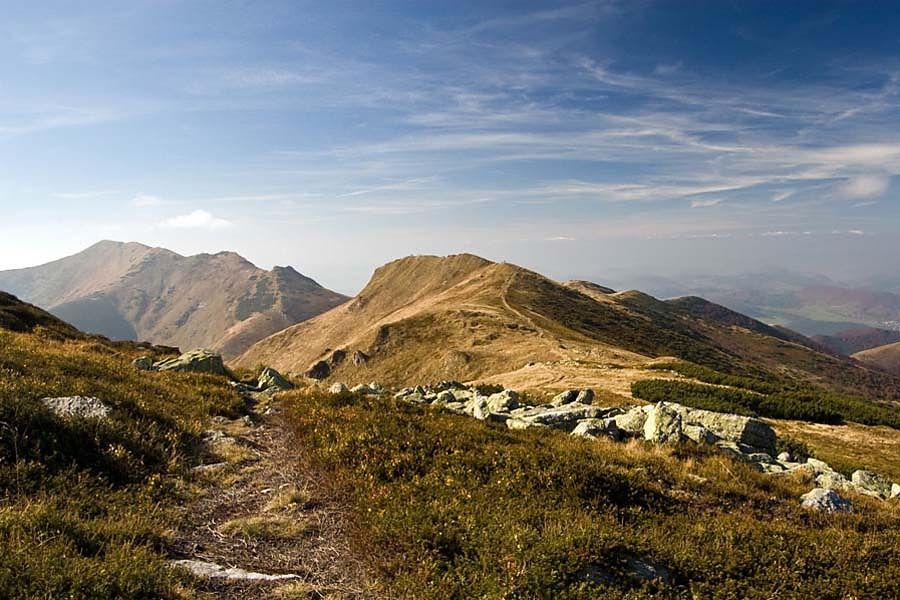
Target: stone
867,481
700,434
210,570
516,423
736,428
270,379
585,396
338,388
832,480
504,401
77,407
632,422
564,417
359,358
201,360
143,363
663,425
826,501
337,357
594,428
818,466
320,370
785,457
363,388
895,490
445,397
478,408
566,397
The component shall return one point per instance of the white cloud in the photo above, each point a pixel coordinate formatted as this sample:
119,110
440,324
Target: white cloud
560,238
199,219
145,200
781,196
704,202
864,186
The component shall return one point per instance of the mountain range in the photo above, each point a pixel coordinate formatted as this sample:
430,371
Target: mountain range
129,291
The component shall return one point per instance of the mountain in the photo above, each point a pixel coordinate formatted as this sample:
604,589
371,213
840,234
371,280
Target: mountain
22,317
131,291
426,318
856,339
885,357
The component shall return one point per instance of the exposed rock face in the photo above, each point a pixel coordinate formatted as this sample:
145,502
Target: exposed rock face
201,360
209,570
735,428
632,422
320,370
827,501
663,425
564,417
77,407
868,481
272,380
594,428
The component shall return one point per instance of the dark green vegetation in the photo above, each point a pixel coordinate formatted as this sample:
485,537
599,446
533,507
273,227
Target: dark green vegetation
447,507
767,398
82,502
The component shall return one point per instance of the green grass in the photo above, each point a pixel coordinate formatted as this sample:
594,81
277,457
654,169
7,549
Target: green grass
82,503
447,507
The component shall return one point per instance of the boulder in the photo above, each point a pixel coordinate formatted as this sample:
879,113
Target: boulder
895,490
320,370
338,388
867,481
585,396
663,425
594,428
564,417
143,363
832,480
77,407
504,401
365,389
270,379
818,466
737,428
566,397
700,434
359,358
785,457
827,501
517,423
201,360
445,397
632,422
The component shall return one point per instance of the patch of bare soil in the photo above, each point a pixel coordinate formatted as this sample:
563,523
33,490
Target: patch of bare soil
260,507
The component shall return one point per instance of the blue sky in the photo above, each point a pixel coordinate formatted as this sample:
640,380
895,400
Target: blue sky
574,138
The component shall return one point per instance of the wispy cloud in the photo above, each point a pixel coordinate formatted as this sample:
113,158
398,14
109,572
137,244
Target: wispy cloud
147,200
705,202
198,219
864,186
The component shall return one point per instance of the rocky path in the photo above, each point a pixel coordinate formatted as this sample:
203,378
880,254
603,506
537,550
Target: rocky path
261,523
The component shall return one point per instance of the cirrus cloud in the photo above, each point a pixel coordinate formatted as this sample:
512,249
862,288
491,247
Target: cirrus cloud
864,186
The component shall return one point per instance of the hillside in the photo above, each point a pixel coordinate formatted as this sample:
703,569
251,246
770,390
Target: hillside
131,291
428,318
883,357
856,339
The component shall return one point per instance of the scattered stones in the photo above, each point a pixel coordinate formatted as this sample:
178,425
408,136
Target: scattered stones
210,570
368,389
663,425
143,363
338,388
201,360
826,501
867,481
565,417
272,380
77,407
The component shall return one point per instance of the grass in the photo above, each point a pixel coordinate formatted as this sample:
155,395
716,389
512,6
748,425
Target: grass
82,503
448,507
266,527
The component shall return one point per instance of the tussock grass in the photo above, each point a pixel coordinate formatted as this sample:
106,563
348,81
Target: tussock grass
449,507
80,501
266,527
289,498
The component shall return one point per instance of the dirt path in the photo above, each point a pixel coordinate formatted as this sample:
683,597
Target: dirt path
259,507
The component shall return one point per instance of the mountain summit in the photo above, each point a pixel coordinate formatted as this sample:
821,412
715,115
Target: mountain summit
133,291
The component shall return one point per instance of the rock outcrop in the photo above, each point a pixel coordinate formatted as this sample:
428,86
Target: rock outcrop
271,380
201,360
77,407
826,501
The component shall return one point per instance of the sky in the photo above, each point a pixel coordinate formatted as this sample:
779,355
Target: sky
574,138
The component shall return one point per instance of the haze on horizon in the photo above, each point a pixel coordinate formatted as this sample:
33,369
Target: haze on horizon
578,139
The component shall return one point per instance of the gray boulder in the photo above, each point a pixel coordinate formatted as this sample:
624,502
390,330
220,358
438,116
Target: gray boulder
895,490
143,363
663,425
827,501
566,397
201,360
736,428
77,407
700,434
832,480
504,401
445,397
320,370
632,421
272,380
867,481
785,457
585,396
564,417
338,388
594,428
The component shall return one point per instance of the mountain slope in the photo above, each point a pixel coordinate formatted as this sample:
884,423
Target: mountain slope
883,357
426,318
857,339
132,291
22,317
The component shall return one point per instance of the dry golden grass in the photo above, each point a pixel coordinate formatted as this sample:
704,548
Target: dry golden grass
268,527
288,498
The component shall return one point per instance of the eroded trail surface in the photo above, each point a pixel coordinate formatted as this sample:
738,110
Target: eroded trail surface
262,524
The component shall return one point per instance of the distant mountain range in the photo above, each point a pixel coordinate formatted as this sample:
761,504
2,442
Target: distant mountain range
426,318
130,291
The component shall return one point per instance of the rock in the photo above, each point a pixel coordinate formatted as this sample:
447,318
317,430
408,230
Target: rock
663,425
895,490
832,480
478,408
367,389
320,370
201,360
585,396
338,388
566,397
209,570
737,428
516,423
449,385
785,457
445,397
646,571
270,379
827,501
564,417
143,363
77,407
359,358
818,466
700,434
504,401
594,428
632,422
867,481
337,357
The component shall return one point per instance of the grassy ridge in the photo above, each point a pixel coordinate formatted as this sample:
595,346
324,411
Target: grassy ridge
767,398
80,501
448,507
